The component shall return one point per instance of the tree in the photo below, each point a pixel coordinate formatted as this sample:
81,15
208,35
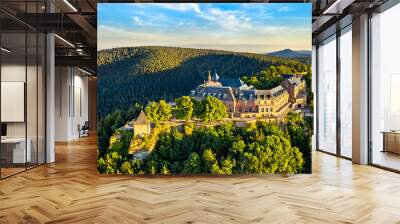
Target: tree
198,108
188,129
184,108
214,109
192,164
120,142
152,112
164,170
308,80
126,168
261,148
137,166
273,155
209,160
101,165
165,111
152,167
111,123
110,164
270,77
215,168
226,149
300,132
226,166
157,112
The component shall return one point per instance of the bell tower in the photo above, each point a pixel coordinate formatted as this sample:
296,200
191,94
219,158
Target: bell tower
211,80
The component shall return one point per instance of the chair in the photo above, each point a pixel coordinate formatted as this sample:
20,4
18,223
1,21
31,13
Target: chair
84,130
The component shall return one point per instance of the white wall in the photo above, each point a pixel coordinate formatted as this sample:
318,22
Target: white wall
62,82
71,102
33,126
12,73
80,110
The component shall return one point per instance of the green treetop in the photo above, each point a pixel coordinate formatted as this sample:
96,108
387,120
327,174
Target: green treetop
184,108
214,109
157,112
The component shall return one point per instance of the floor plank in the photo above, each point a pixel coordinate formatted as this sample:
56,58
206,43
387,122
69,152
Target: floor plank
70,191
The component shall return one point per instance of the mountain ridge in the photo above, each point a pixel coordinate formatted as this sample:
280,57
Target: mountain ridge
289,53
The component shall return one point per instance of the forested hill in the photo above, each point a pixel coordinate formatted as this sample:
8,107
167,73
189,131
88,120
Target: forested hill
288,53
143,74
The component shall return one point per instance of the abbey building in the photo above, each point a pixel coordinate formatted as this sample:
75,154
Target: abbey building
246,101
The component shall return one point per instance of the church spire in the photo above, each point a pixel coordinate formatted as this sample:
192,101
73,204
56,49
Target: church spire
215,77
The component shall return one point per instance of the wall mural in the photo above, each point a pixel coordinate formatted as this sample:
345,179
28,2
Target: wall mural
204,88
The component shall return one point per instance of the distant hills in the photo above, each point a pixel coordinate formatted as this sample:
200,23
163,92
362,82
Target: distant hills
288,53
143,74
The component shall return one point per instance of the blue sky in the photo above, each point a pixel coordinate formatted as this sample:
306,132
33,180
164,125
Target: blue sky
255,27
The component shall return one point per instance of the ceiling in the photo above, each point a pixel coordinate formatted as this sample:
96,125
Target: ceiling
330,15
75,23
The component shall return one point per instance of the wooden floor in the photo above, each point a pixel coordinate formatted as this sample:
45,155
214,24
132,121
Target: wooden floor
70,191
387,159
8,171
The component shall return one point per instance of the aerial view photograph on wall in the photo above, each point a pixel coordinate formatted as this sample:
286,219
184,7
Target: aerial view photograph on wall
208,88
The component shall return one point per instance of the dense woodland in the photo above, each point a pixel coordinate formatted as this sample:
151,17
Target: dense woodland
261,148
108,125
272,76
145,74
186,108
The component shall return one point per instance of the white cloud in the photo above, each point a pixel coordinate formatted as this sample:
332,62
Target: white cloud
284,9
227,19
138,21
240,22
183,7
